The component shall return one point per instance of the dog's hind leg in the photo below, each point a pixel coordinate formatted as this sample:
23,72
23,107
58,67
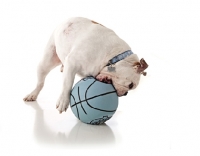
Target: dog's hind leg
49,61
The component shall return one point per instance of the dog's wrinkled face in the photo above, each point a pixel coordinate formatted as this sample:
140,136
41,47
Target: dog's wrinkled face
126,76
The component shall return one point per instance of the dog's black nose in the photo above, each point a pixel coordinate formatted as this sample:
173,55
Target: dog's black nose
125,93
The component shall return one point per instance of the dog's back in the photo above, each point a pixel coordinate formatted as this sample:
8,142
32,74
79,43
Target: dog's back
87,36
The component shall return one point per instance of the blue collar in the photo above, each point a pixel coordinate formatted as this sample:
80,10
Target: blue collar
120,57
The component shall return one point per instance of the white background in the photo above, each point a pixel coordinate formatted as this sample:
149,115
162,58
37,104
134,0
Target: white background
161,117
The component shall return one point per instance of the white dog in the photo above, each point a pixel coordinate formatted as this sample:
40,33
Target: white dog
87,48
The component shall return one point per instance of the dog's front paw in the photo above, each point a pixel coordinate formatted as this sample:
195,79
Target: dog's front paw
62,104
31,97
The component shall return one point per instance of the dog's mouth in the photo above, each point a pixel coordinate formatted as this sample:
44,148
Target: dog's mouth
104,79
108,80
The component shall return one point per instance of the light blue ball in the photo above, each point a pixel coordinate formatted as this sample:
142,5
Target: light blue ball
93,102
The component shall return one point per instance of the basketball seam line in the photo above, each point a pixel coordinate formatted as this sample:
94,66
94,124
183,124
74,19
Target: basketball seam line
80,100
93,98
76,107
96,96
98,108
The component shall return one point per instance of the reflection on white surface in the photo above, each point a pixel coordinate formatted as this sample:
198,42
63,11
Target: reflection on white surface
89,134
73,134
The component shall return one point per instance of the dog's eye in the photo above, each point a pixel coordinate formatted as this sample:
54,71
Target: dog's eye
131,86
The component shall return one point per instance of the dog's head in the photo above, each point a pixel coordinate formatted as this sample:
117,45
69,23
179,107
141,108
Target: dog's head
126,75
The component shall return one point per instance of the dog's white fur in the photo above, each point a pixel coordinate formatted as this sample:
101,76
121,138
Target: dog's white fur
84,47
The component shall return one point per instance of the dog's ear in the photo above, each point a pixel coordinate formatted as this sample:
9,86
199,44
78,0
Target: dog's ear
141,66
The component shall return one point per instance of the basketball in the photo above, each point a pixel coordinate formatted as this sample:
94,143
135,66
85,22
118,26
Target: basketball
93,102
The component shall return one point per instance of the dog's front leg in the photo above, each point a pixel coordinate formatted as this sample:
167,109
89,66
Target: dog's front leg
69,73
